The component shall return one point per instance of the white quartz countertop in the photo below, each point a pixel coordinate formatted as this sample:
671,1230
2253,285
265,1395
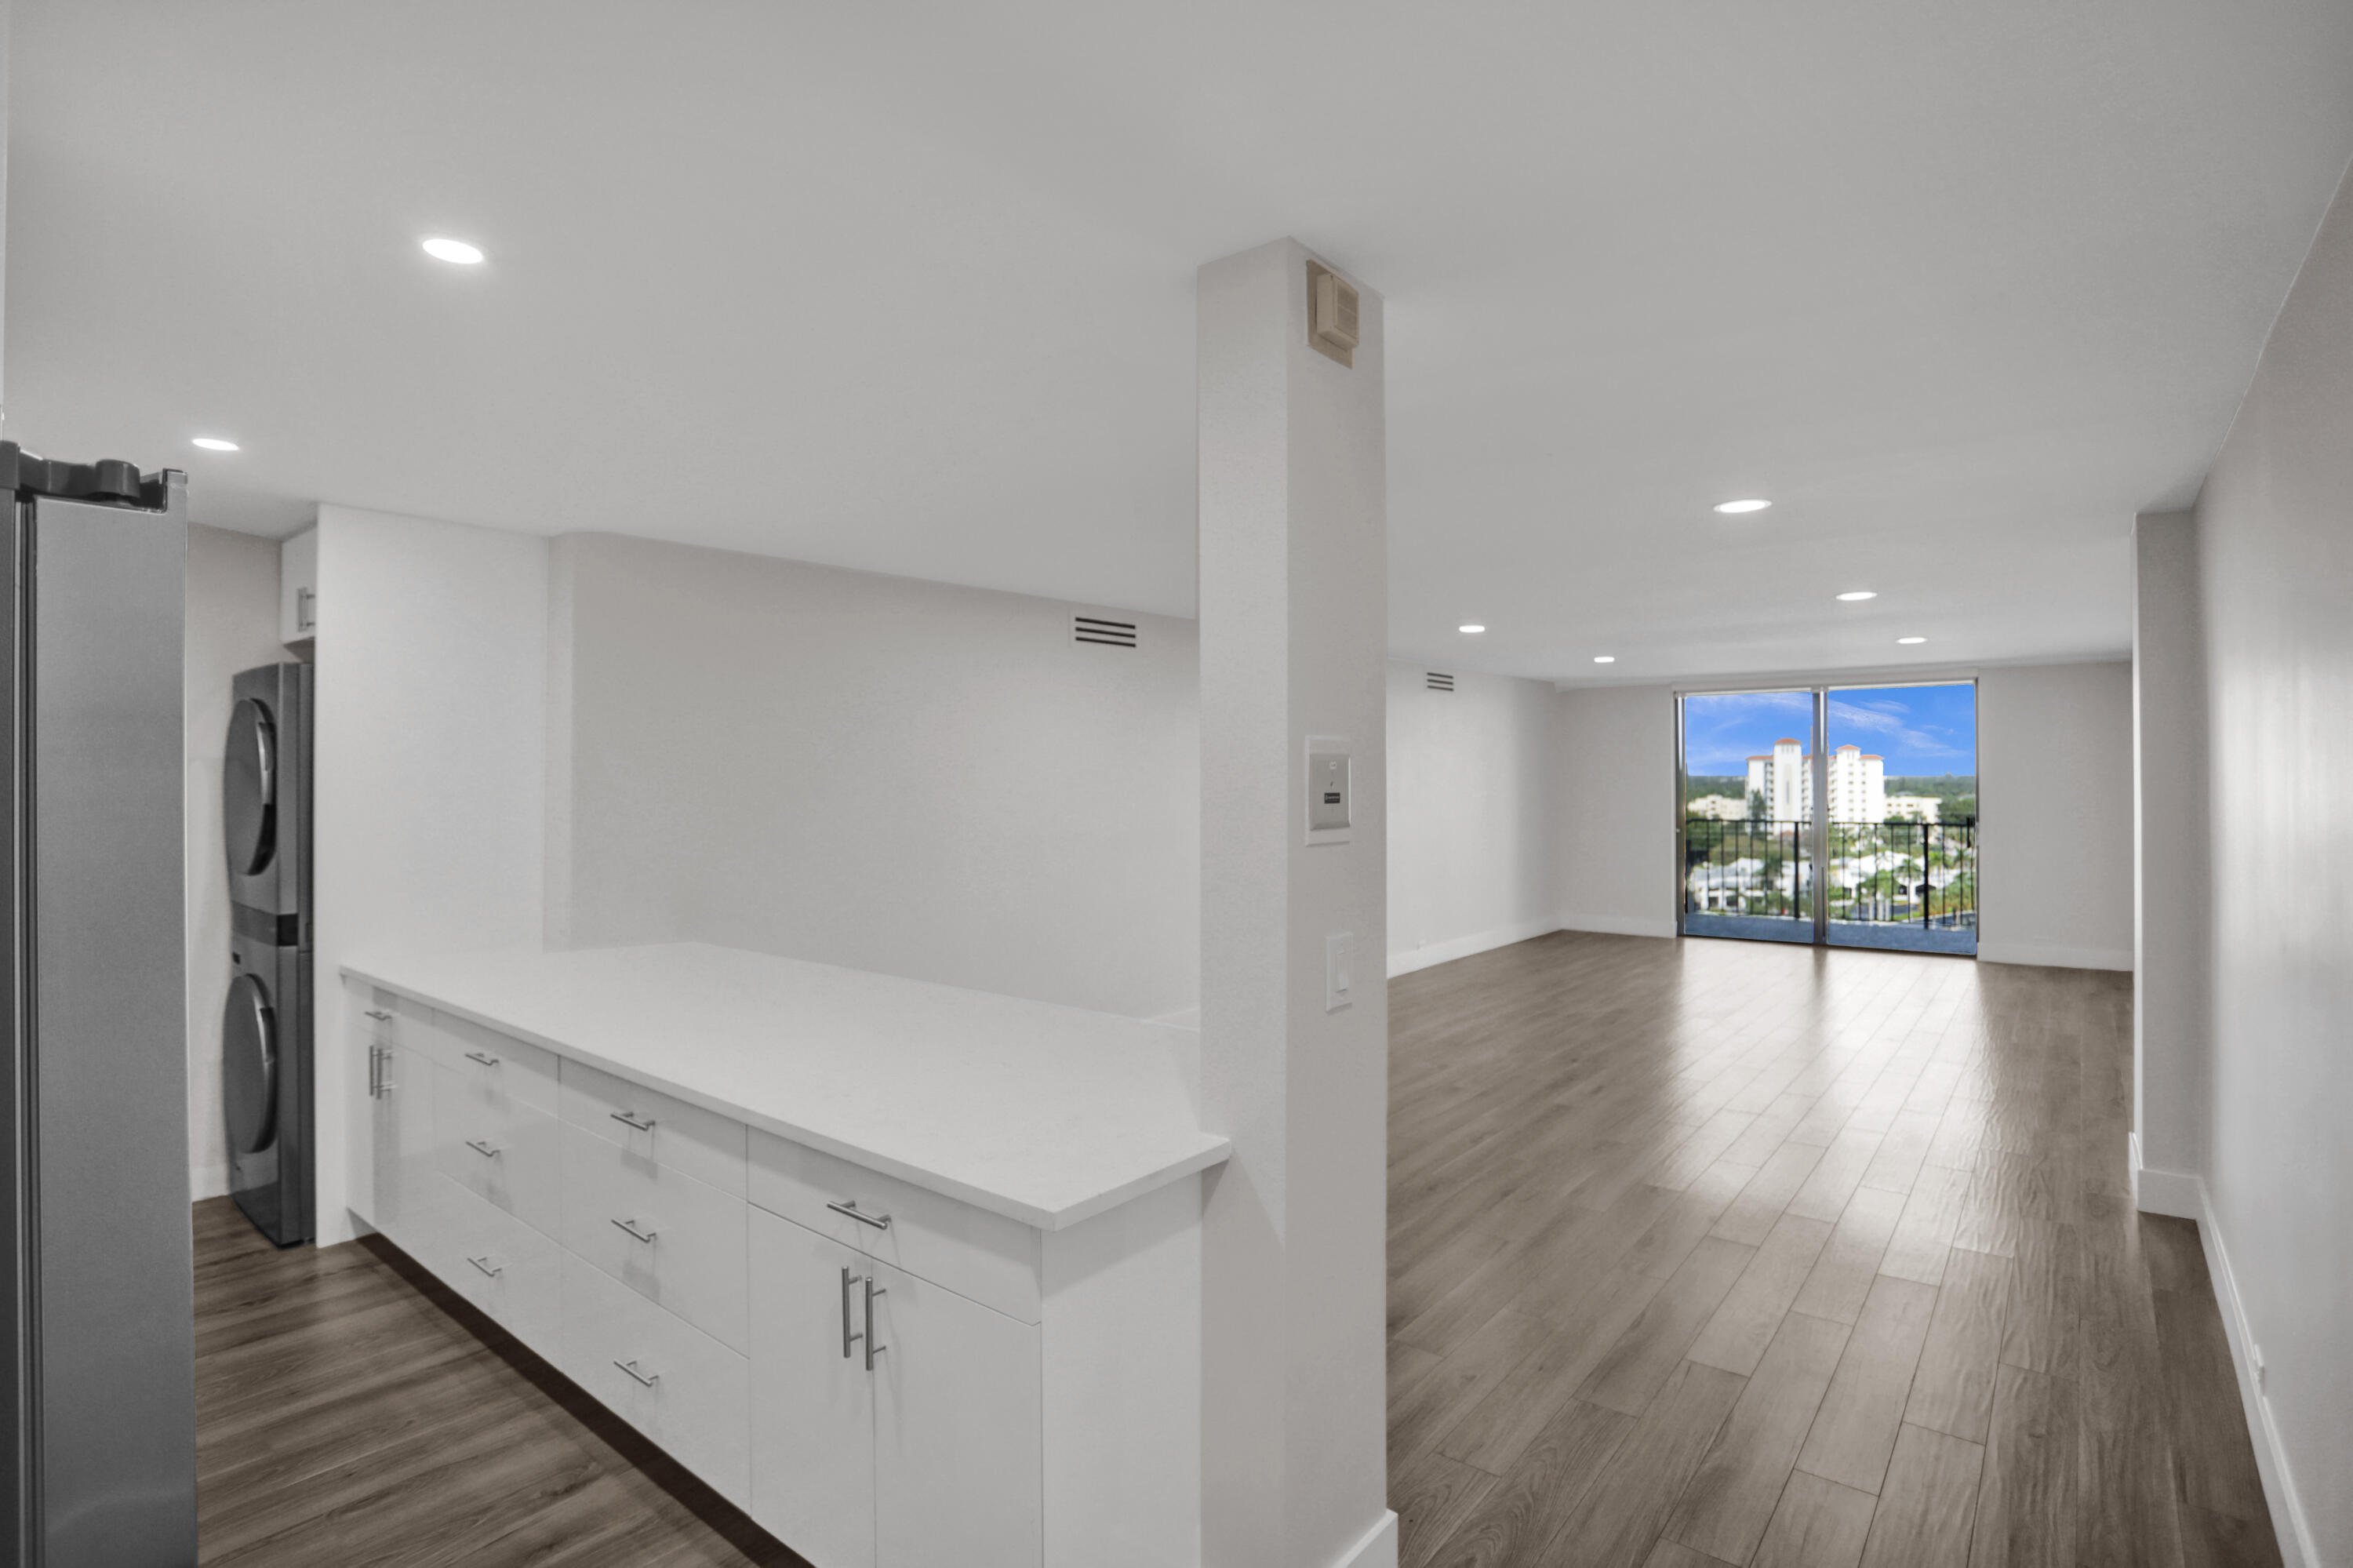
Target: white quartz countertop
1046,1114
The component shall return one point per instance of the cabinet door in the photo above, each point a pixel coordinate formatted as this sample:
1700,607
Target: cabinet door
298,588
812,1401
412,1208
959,1431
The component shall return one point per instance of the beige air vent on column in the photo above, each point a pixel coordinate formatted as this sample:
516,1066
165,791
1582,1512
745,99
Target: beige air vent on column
1331,315
1440,681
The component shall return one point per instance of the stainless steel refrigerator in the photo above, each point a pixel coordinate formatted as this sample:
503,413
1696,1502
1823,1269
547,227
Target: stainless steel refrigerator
97,1350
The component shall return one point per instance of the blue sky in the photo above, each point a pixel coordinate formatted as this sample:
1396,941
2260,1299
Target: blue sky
1919,729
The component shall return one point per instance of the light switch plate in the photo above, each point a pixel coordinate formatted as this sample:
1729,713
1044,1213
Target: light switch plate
1339,964
1331,801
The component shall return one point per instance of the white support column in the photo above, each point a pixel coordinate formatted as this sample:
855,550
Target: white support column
1293,644
2171,886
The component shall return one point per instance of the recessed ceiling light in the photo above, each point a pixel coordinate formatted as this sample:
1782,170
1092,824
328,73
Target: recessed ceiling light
1911,640
1605,658
455,250
1473,630
1735,508
1858,594
213,444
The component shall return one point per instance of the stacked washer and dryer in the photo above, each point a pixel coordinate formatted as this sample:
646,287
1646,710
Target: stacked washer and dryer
266,1026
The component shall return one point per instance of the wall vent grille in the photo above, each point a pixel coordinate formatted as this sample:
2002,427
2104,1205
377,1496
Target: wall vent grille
1109,633
1441,682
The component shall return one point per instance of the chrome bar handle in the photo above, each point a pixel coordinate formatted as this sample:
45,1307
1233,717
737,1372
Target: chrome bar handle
872,1350
486,1149
629,1119
879,1222
848,1339
379,1015
478,1056
490,1270
376,1072
645,1379
629,1228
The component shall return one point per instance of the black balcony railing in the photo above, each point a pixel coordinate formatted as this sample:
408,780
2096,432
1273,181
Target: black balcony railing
1879,873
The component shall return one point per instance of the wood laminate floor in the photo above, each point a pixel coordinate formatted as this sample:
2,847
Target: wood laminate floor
1709,1253
1702,1253
351,1411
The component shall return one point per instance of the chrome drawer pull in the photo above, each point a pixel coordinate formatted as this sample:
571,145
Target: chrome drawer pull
381,1017
629,1228
629,1119
487,1150
490,1269
879,1222
485,1061
647,1378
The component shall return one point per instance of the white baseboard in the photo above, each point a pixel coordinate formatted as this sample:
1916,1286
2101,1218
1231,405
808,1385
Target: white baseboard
1620,925
2176,1192
1446,952
1379,1547
2297,1549
208,1181
2053,958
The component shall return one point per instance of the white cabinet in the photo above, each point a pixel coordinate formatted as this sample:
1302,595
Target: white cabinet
662,1375
812,1397
298,588
499,1264
672,1239
894,1423
885,1376
505,1154
394,1194
956,1430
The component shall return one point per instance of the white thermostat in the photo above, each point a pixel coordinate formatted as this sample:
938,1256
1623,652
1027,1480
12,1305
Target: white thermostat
1330,797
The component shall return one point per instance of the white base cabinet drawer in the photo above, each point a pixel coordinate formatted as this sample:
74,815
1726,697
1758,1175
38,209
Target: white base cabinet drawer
654,1126
987,1256
504,1267
670,1380
666,1235
506,1156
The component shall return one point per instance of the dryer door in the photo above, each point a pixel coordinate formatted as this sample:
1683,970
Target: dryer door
249,1071
250,788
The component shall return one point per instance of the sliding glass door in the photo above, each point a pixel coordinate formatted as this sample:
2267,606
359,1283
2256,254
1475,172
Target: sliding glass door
1845,815
1747,815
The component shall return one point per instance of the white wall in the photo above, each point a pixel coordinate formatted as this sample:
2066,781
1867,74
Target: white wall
1470,815
432,693
232,625
2276,602
900,776
2173,892
2054,815
1614,809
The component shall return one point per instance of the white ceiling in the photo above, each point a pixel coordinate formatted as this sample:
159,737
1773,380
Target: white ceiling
909,287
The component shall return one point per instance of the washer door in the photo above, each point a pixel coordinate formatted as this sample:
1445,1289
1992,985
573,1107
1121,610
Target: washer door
250,788
249,1067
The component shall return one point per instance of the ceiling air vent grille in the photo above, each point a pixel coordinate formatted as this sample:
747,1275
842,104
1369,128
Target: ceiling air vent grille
1110,633
1441,682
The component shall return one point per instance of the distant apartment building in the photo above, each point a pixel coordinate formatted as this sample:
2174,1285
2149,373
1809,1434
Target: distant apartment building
1915,807
1784,781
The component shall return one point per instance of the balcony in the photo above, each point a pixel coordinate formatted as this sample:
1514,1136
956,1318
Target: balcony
1903,885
